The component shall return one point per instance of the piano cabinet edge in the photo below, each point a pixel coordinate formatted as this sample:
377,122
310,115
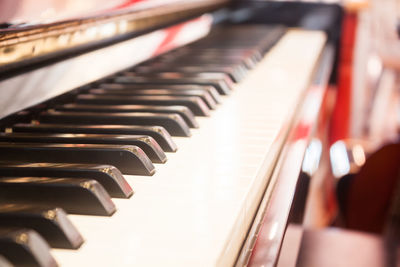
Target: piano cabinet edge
265,237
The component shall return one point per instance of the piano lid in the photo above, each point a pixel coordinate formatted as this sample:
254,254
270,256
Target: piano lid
34,30
23,13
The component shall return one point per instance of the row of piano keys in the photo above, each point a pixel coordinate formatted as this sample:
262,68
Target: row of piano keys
71,156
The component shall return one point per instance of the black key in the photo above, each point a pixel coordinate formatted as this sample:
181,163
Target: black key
222,83
260,37
215,52
204,95
24,247
194,103
162,137
51,223
243,57
173,87
146,143
203,56
253,53
173,123
80,196
235,73
108,176
128,159
237,64
184,112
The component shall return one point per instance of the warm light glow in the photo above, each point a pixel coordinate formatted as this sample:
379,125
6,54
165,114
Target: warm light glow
374,66
339,159
312,157
273,231
358,155
123,26
108,29
91,33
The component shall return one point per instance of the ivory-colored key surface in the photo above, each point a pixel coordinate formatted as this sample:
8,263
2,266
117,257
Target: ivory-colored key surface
197,208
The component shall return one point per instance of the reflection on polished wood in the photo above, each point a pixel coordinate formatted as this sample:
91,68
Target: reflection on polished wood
40,40
264,241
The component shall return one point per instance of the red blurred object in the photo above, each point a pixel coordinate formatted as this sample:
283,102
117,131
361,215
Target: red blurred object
341,114
372,190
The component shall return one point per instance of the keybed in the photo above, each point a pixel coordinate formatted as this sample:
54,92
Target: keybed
201,146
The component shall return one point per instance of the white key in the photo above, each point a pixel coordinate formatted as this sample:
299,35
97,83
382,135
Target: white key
198,207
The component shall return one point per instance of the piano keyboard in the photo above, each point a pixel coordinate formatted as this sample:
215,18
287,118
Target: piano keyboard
194,197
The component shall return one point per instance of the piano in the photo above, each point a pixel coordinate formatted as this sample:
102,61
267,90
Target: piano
148,133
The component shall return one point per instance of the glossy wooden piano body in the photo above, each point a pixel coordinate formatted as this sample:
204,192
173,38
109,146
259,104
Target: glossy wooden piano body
230,187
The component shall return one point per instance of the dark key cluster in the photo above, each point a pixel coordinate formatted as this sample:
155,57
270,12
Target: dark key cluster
69,155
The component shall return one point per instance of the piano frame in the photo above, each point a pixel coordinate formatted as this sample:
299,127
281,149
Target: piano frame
264,238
